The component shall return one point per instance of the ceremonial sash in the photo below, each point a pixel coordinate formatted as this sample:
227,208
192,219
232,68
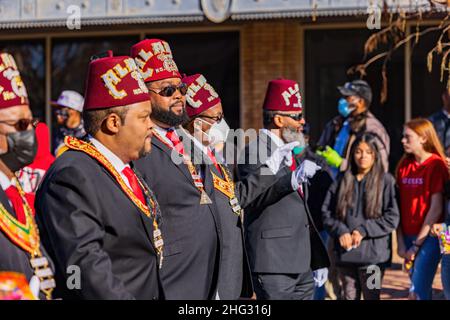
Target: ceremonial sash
196,178
26,236
227,187
150,209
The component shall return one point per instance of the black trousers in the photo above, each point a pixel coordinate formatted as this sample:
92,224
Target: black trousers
357,280
275,286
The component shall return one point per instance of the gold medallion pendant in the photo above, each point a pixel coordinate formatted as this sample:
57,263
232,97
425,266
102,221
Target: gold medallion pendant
227,188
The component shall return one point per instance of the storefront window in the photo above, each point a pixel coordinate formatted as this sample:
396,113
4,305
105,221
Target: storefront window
216,56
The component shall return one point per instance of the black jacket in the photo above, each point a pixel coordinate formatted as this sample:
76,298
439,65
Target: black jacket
280,237
442,125
234,273
192,231
87,220
375,247
204,249
359,124
317,185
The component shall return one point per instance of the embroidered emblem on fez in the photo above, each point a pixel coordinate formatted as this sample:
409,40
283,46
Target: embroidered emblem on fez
195,87
292,92
113,77
10,72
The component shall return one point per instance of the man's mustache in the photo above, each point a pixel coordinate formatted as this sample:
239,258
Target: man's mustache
176,104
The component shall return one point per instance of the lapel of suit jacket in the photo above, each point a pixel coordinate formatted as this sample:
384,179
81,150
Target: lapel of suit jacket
5,202
168,151
148,222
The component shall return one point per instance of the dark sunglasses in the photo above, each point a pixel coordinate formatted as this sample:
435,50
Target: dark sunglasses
170,90
296,117
62,113
216,118
21,124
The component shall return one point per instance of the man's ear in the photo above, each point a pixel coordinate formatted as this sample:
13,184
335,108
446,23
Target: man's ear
278,121
112,123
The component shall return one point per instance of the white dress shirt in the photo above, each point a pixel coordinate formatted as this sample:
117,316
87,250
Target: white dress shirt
116,162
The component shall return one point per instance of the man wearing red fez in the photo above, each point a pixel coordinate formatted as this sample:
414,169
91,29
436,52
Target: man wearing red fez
21,249
99,218
192,226
283,243
257,191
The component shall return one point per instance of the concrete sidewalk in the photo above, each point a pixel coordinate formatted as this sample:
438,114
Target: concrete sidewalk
396,284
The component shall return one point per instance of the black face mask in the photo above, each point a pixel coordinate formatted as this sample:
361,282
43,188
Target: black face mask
22,148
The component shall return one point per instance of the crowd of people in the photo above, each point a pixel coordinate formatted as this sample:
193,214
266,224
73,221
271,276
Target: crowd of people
139,199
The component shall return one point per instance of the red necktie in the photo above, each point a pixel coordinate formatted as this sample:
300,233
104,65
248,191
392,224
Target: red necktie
134,184
17,203
294,164
173,137
213,159
293,167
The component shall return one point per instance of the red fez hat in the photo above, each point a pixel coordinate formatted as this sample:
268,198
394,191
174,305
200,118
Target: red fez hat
283,95
154,59
12,89
200,95
113,82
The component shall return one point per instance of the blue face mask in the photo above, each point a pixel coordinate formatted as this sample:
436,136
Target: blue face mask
344,108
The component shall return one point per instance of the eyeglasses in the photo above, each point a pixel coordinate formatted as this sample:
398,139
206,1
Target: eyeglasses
296,117
170,90
216,118
21,124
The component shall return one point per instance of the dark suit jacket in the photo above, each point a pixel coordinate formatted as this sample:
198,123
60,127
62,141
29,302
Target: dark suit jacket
234,278
281,237
12,257
192,232
87,220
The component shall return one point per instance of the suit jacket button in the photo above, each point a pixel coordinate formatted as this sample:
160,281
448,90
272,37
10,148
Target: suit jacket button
154,298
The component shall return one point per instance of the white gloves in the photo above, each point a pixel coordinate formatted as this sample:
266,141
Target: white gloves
320,277
282,154
306,170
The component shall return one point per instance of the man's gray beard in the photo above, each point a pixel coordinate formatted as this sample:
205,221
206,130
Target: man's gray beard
291,135
168,117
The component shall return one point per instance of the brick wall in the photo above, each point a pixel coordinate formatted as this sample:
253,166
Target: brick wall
269,50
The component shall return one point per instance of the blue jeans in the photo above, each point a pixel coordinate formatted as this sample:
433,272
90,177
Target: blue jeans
319,292
425,266
445,275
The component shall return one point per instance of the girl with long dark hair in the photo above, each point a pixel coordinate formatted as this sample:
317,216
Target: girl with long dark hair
360,212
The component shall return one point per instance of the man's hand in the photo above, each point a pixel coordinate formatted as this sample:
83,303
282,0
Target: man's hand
282,154
306,170
346,241
320,277
356,238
